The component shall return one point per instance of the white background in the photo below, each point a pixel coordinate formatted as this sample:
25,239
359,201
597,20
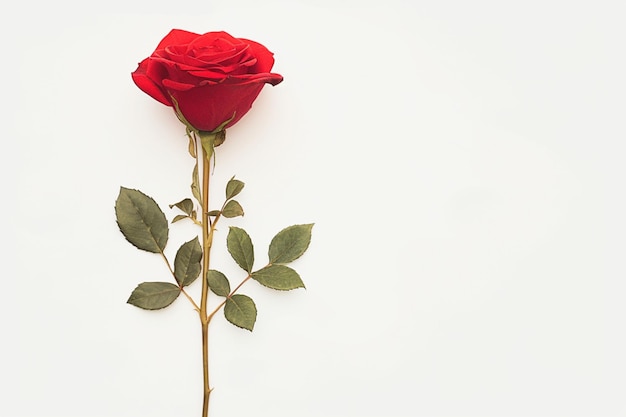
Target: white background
463,163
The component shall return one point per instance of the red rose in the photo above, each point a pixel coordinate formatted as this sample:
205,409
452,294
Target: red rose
211,77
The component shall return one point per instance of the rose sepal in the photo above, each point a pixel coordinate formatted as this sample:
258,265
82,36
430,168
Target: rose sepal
210,140
180,116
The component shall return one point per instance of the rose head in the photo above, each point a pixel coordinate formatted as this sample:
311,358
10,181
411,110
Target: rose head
210,77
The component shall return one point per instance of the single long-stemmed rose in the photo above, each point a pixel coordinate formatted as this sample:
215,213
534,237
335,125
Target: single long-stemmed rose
210,81
214,77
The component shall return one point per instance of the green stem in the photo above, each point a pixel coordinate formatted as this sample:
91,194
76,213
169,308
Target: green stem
207,238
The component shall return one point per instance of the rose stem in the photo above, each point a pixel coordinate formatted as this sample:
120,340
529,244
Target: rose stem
207,238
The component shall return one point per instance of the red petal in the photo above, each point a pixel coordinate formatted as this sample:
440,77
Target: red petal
265,58
175,85
268,77
176,37
148,86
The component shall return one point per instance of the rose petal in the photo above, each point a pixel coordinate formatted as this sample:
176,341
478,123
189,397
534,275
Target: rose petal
210,38
148,86
208,107
269,78
207,74
161,69
222,56
265,58
177,37
175,85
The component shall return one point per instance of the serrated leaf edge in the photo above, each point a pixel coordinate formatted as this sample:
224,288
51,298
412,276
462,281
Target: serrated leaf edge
230,299
303,251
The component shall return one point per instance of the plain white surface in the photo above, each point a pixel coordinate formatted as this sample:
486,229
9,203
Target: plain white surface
462,161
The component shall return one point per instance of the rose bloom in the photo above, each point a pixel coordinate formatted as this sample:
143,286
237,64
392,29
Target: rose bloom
212,77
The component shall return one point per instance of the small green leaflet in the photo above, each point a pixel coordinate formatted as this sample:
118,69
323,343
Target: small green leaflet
233,188
232,209
278,277
218,283
240,247
141,221
187,262
290,243
154,295
240,311
186,206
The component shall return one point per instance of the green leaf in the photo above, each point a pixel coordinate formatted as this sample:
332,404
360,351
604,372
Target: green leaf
141,221
187,262
240,247
240,311
233,188
195,185
154,295
186,206
218,283
179,218
232,209
214,213
290,243
278,277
